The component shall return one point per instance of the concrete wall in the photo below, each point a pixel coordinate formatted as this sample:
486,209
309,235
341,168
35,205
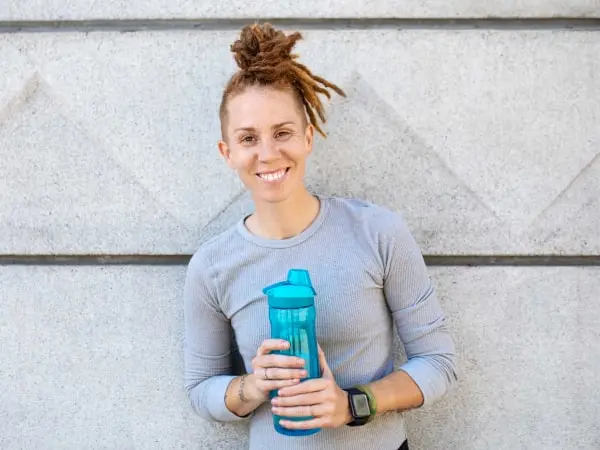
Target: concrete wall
137,9
485,135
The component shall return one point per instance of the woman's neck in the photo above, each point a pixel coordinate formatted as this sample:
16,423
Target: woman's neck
284,219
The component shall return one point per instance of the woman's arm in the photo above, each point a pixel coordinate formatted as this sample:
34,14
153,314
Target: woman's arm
207,348
213,392
396,392
430,370
241,398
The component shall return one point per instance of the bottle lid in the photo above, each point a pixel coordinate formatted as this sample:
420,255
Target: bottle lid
295,292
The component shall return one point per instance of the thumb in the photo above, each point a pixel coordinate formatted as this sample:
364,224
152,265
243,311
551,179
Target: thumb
325,370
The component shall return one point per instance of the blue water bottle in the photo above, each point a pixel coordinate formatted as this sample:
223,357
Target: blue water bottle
292,317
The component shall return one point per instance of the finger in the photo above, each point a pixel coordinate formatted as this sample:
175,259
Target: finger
300,411
299,400
277,373
320,422
269,345
273,385
273,360
325,370
306,387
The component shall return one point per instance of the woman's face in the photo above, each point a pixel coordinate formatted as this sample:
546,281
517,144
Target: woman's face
267,141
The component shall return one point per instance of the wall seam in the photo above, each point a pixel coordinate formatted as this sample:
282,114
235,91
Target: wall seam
218,24
183,259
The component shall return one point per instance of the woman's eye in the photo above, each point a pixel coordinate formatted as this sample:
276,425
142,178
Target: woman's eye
247,139
282,134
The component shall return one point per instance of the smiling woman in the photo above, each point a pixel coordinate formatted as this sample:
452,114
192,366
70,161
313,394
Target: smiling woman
267,141
364,263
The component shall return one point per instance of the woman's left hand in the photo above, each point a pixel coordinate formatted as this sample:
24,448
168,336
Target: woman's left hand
320,398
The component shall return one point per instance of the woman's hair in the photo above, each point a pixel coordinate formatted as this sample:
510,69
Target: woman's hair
264,57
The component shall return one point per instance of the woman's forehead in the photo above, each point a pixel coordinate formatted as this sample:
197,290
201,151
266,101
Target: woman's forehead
262,105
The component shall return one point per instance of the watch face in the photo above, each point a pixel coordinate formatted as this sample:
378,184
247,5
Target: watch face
361,405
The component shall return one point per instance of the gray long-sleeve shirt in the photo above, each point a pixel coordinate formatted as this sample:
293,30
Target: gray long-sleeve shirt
369,275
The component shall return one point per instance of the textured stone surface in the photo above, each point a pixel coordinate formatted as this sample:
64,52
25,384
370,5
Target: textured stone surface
529,343
487,141
92,358
90,9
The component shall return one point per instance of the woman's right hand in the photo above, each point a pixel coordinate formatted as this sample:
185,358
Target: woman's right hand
271,371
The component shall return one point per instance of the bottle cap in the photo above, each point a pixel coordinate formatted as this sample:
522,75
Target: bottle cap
296,292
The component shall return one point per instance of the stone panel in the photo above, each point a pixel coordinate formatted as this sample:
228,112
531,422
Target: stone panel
93,359
239,9
487,141
529,344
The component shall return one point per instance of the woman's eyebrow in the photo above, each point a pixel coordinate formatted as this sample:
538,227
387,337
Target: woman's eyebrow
287,122
277,125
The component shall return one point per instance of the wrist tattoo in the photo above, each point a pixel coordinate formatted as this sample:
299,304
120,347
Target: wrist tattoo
241,388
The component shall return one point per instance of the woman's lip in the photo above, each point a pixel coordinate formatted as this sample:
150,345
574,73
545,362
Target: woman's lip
273,177
265,172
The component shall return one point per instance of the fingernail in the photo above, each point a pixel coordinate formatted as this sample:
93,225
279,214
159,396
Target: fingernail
303,373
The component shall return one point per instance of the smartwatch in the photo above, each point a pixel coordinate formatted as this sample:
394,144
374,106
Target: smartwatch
362,405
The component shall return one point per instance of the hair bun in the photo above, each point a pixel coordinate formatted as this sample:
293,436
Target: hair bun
261,47
265,58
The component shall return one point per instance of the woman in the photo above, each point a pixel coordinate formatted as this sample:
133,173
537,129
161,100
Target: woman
366,268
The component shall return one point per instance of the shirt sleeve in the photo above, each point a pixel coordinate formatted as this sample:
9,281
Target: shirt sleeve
420,321
207,345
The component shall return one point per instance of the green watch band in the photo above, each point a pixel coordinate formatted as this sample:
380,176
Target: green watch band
372,402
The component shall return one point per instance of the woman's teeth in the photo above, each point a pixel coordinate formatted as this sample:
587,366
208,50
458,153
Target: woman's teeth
272,176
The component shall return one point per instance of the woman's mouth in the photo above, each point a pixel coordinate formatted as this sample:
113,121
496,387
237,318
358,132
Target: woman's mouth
273,176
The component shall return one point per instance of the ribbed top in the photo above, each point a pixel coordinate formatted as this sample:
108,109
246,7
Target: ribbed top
370,276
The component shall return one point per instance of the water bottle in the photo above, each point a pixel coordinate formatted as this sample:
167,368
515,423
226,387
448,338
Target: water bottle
292,317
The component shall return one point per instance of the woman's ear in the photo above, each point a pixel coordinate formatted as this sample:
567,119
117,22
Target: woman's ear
225,152
309,136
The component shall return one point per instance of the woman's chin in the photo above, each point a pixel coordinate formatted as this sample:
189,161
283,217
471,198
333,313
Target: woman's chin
270,195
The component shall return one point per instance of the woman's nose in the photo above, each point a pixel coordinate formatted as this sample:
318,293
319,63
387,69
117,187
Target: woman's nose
268,150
